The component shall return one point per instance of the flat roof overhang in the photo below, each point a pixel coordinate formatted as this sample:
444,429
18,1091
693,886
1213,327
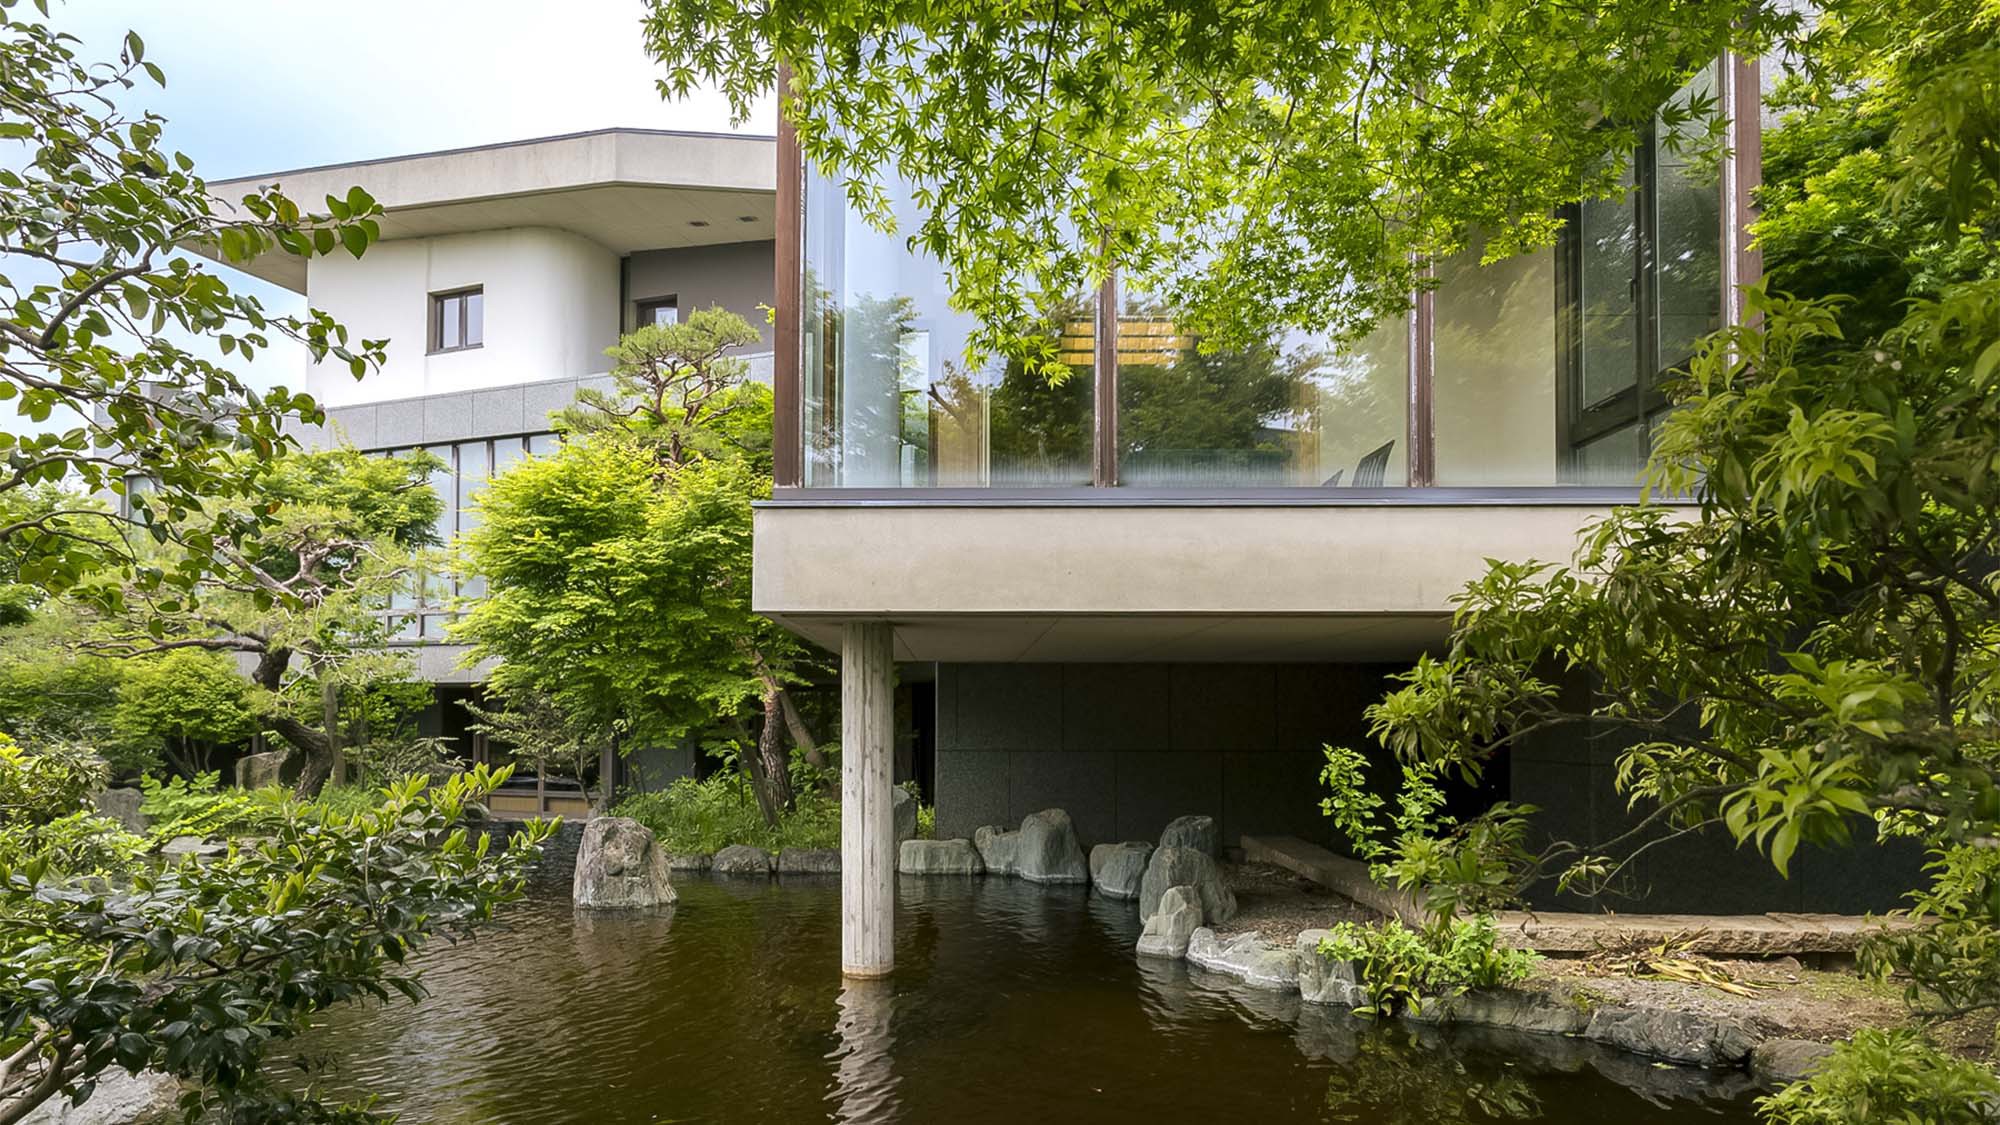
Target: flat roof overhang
625,189
1297,577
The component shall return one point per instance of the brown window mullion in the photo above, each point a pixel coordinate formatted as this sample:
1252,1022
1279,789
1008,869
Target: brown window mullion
1104,391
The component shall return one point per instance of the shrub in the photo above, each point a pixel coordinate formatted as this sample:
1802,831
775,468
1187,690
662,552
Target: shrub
1401,968
201,807
78,844
1888,1076
706,816
46,782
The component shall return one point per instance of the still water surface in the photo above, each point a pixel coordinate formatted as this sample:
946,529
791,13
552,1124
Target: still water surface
1010,1003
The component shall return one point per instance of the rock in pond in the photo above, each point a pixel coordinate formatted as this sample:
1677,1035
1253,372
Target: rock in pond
997,848
1687,1038
619,866
121,1098
184,847
1781,1061
122,805
1171,927
273,767
741,859
1047,851
689,861
1326,980
1179,867
1197,832
939,857
1116,869
809,861
903,807
1247,958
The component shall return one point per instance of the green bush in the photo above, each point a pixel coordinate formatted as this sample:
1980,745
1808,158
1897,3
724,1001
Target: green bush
1402,968
201,807
706,816
81,843
1888,1076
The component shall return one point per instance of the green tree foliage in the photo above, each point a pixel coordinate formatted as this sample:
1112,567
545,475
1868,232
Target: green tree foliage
618,570
1254,165
197,969
95,304
1808,655
186,704
308,598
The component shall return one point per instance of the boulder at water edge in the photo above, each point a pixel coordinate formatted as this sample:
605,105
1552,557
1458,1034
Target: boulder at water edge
120,1098
741,859
619,866
904,810
809,861
939,857
1323,979
997,848
1172,925
1116,869
1047,851
1179,867
122,805
1197,832
255,771
1247,958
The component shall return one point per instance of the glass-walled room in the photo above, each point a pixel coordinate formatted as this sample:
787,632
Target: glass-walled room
1546,369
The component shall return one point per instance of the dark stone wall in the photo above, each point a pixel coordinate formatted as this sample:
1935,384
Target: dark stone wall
1572,778
1124,748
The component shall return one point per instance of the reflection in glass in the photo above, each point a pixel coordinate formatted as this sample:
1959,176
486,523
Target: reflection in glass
1688,213
1607,291
888,398
1494,392
1291,412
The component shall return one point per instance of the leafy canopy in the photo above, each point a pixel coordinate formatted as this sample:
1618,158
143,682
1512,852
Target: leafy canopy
1286,163
94,299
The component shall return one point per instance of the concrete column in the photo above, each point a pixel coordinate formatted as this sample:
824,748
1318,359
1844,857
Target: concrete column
867,822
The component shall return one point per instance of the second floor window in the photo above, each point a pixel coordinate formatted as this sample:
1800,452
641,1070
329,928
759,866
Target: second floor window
659,310
458,319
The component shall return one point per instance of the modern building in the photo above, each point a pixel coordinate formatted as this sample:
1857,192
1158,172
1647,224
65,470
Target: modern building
503,274
1161,586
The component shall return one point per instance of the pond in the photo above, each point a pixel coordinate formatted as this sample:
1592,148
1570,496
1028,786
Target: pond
1010,1003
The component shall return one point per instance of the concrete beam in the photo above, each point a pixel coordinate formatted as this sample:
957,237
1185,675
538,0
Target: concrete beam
867,819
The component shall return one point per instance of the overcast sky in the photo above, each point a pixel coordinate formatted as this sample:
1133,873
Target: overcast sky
257,86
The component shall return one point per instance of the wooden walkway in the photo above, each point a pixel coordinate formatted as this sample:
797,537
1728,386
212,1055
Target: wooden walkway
1564,932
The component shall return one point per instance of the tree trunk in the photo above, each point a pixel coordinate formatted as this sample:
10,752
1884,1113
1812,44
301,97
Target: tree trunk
771,749
801,734
329,710
315,751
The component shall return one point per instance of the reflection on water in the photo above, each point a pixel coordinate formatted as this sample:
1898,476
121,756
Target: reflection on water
1010,1002
864,1073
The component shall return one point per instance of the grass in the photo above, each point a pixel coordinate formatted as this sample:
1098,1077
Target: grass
706,816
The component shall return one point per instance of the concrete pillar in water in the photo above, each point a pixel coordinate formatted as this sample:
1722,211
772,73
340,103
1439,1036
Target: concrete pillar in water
867,819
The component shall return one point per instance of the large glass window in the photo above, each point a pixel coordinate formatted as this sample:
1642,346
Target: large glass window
1292,412
1644,286
1493,391
421,610
889,400
1543,369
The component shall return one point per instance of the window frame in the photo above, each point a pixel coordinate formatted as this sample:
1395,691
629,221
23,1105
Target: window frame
434,329
643,307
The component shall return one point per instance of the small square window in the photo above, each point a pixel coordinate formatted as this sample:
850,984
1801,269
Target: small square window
458,319
659,310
